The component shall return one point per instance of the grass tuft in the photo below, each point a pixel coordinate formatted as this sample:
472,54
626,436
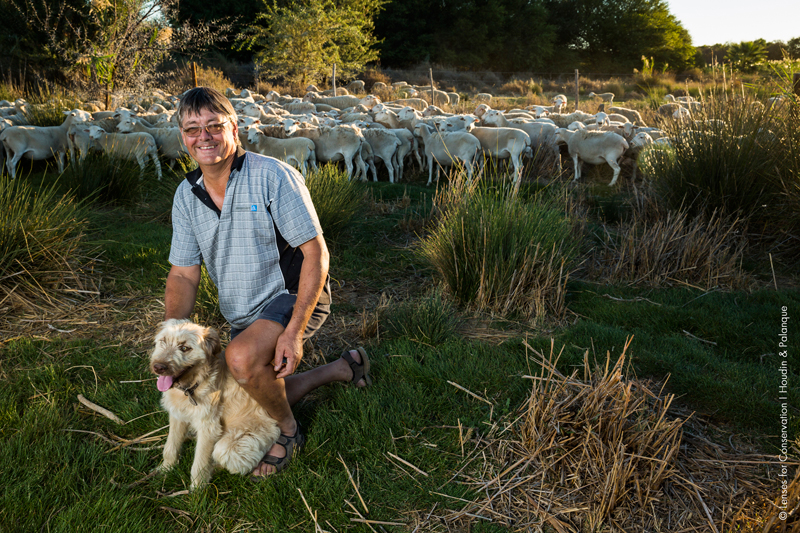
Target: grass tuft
41,236
699,251
502,254
336,199
430,320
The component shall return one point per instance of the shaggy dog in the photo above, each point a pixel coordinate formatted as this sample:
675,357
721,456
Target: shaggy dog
200,394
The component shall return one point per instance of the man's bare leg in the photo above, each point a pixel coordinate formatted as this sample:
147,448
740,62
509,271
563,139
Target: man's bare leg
249,357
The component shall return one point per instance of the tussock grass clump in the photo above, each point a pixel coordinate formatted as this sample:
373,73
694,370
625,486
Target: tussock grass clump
336,198
520,87
700,251
206,308
105,179
41,237
501,254
432,319
609,453
737,158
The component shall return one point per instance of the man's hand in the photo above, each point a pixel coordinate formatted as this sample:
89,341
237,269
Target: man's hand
288,353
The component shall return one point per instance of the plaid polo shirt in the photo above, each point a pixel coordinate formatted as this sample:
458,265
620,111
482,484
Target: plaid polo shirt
266,204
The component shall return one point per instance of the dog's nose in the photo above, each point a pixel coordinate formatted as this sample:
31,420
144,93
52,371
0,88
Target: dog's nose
158,368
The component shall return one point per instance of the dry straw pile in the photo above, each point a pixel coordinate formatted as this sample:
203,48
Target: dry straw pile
607,453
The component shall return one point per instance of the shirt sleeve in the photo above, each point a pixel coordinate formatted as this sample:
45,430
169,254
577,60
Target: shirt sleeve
184,250
292,208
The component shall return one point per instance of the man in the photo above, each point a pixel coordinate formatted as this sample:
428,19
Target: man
251,220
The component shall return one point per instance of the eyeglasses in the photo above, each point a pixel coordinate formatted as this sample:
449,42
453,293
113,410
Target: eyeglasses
212,129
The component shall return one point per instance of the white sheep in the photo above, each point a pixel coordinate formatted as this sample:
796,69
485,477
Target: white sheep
339,102
356,87
594,147
168,140
483,98
504,143
631,114
443,149
559,102
340,143
605,97
297,151
439,97
539,132
384,145
133,146
39,142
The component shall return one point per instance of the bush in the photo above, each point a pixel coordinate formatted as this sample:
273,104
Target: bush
336,198
41,234
432,319
108,180
701,251
504,255
520,87
744,162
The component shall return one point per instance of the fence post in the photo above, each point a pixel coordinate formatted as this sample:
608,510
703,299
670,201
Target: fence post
577,92
194,73
797,84
430,73
334,79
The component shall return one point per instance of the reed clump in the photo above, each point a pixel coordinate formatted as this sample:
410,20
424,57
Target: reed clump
43,259
607,452
336,198
675,248
501,254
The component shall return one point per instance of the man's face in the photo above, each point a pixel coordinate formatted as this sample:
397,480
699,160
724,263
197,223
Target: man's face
206,148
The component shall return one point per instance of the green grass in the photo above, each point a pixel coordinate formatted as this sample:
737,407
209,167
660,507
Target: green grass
719,350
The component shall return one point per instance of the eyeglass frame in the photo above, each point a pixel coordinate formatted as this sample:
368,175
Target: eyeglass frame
201,128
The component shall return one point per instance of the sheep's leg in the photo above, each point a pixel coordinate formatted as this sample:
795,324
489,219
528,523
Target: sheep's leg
11,164
577,167
430,172
60,156
613,164
390,168
157,164
374,169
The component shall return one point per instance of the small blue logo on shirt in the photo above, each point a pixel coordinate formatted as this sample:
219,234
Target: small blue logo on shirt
254,207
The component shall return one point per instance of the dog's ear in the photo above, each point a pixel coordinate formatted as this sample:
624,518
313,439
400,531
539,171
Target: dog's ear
212,343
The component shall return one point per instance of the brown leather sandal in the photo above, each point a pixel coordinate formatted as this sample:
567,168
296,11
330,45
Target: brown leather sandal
292,444
360,370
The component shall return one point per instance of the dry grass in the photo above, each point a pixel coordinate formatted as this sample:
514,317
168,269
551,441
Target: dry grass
608,453
674,248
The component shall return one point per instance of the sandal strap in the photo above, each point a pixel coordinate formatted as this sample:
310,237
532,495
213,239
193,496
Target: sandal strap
292,444
357,368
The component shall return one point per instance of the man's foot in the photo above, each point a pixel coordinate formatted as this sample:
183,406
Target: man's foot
280,455
358,361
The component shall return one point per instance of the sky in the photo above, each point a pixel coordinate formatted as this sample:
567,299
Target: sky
720,21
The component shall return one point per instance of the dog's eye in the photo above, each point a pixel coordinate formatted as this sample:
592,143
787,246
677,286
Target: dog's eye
184,348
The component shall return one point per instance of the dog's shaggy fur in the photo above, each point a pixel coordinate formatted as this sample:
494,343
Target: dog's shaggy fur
232,430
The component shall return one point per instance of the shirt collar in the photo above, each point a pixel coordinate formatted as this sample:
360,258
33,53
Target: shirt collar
195,176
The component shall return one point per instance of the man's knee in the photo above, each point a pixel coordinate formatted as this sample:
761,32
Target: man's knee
242,361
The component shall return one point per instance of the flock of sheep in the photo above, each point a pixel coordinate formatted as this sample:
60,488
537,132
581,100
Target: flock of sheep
361,131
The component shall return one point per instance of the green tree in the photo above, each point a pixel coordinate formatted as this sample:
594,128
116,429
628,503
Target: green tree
301,42
746,55
609,36
103,42
793,48
501,35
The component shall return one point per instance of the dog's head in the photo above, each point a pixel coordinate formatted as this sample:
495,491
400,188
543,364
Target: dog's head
182,347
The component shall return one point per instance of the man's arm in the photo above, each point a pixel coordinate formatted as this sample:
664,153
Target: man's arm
181,291
313,274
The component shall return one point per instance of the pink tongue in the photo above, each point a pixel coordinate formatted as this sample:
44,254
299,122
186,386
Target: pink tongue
164,383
